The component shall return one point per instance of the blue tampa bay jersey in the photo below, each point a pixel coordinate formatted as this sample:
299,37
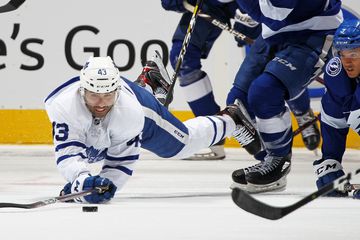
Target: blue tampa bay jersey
293,20
340,109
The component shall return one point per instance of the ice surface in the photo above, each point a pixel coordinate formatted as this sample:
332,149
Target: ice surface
169,199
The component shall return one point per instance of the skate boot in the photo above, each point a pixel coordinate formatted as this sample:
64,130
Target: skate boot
238,176
155,78
215,152
311,134
269,175
245,133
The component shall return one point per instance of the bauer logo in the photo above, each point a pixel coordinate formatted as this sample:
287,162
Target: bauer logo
333,68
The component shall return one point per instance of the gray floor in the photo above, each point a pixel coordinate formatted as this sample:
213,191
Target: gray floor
169,199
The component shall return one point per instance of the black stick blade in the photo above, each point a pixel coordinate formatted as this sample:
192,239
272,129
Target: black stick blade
11,6
16,3
245,201
25,206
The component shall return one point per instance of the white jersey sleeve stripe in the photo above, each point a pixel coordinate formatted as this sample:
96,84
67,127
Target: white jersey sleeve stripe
126,158
275,13
314,23
120,168
68,144
63,157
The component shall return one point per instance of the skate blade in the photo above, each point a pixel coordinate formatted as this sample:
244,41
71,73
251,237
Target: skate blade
212,153
277,186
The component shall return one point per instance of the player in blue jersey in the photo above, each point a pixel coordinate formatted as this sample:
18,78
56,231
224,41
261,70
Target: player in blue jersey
193,79
298,34
340,104
253,66
196,82
100,116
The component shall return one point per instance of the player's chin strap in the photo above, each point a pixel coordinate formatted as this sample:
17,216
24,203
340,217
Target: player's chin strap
63,198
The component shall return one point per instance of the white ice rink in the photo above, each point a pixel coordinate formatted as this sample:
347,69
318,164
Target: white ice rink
169,200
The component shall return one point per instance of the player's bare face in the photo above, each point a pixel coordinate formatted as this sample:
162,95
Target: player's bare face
351,62
99,104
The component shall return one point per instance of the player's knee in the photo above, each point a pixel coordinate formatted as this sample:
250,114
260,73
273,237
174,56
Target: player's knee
266,96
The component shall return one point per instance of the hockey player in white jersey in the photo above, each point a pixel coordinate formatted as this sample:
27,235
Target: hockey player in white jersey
340,104
100,116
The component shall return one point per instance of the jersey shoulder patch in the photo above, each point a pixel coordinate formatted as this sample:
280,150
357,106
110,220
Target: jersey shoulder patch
333,68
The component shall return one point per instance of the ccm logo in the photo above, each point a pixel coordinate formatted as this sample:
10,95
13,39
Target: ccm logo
178,133
326,168
284,62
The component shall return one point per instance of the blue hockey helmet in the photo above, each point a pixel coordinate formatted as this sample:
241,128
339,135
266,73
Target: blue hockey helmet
347,36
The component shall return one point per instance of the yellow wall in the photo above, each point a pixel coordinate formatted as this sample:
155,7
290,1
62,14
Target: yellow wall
33,127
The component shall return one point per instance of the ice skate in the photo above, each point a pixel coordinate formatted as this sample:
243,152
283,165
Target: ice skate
155,78
310,135
270,175
214,152
245,133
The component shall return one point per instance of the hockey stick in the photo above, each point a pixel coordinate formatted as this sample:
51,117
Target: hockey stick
183,51
306,125
53,200
219,24
242,199
11,6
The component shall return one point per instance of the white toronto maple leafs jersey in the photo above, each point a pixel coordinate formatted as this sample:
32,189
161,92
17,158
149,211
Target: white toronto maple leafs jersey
80,139
137,118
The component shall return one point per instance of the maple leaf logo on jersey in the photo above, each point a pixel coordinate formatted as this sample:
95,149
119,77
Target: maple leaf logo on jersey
94,155
333,68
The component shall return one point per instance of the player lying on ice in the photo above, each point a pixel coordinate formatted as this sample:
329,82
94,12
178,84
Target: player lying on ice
101,116
340,104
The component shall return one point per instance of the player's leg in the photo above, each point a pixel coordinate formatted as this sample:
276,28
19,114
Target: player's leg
286,76
194,82
167,136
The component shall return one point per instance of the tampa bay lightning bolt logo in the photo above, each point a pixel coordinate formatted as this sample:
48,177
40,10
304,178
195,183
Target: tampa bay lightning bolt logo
333,68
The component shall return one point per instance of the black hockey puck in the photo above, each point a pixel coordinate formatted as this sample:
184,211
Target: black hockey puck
90,209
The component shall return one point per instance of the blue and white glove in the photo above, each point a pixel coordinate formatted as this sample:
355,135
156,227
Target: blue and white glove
247,26
327,170
86,182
